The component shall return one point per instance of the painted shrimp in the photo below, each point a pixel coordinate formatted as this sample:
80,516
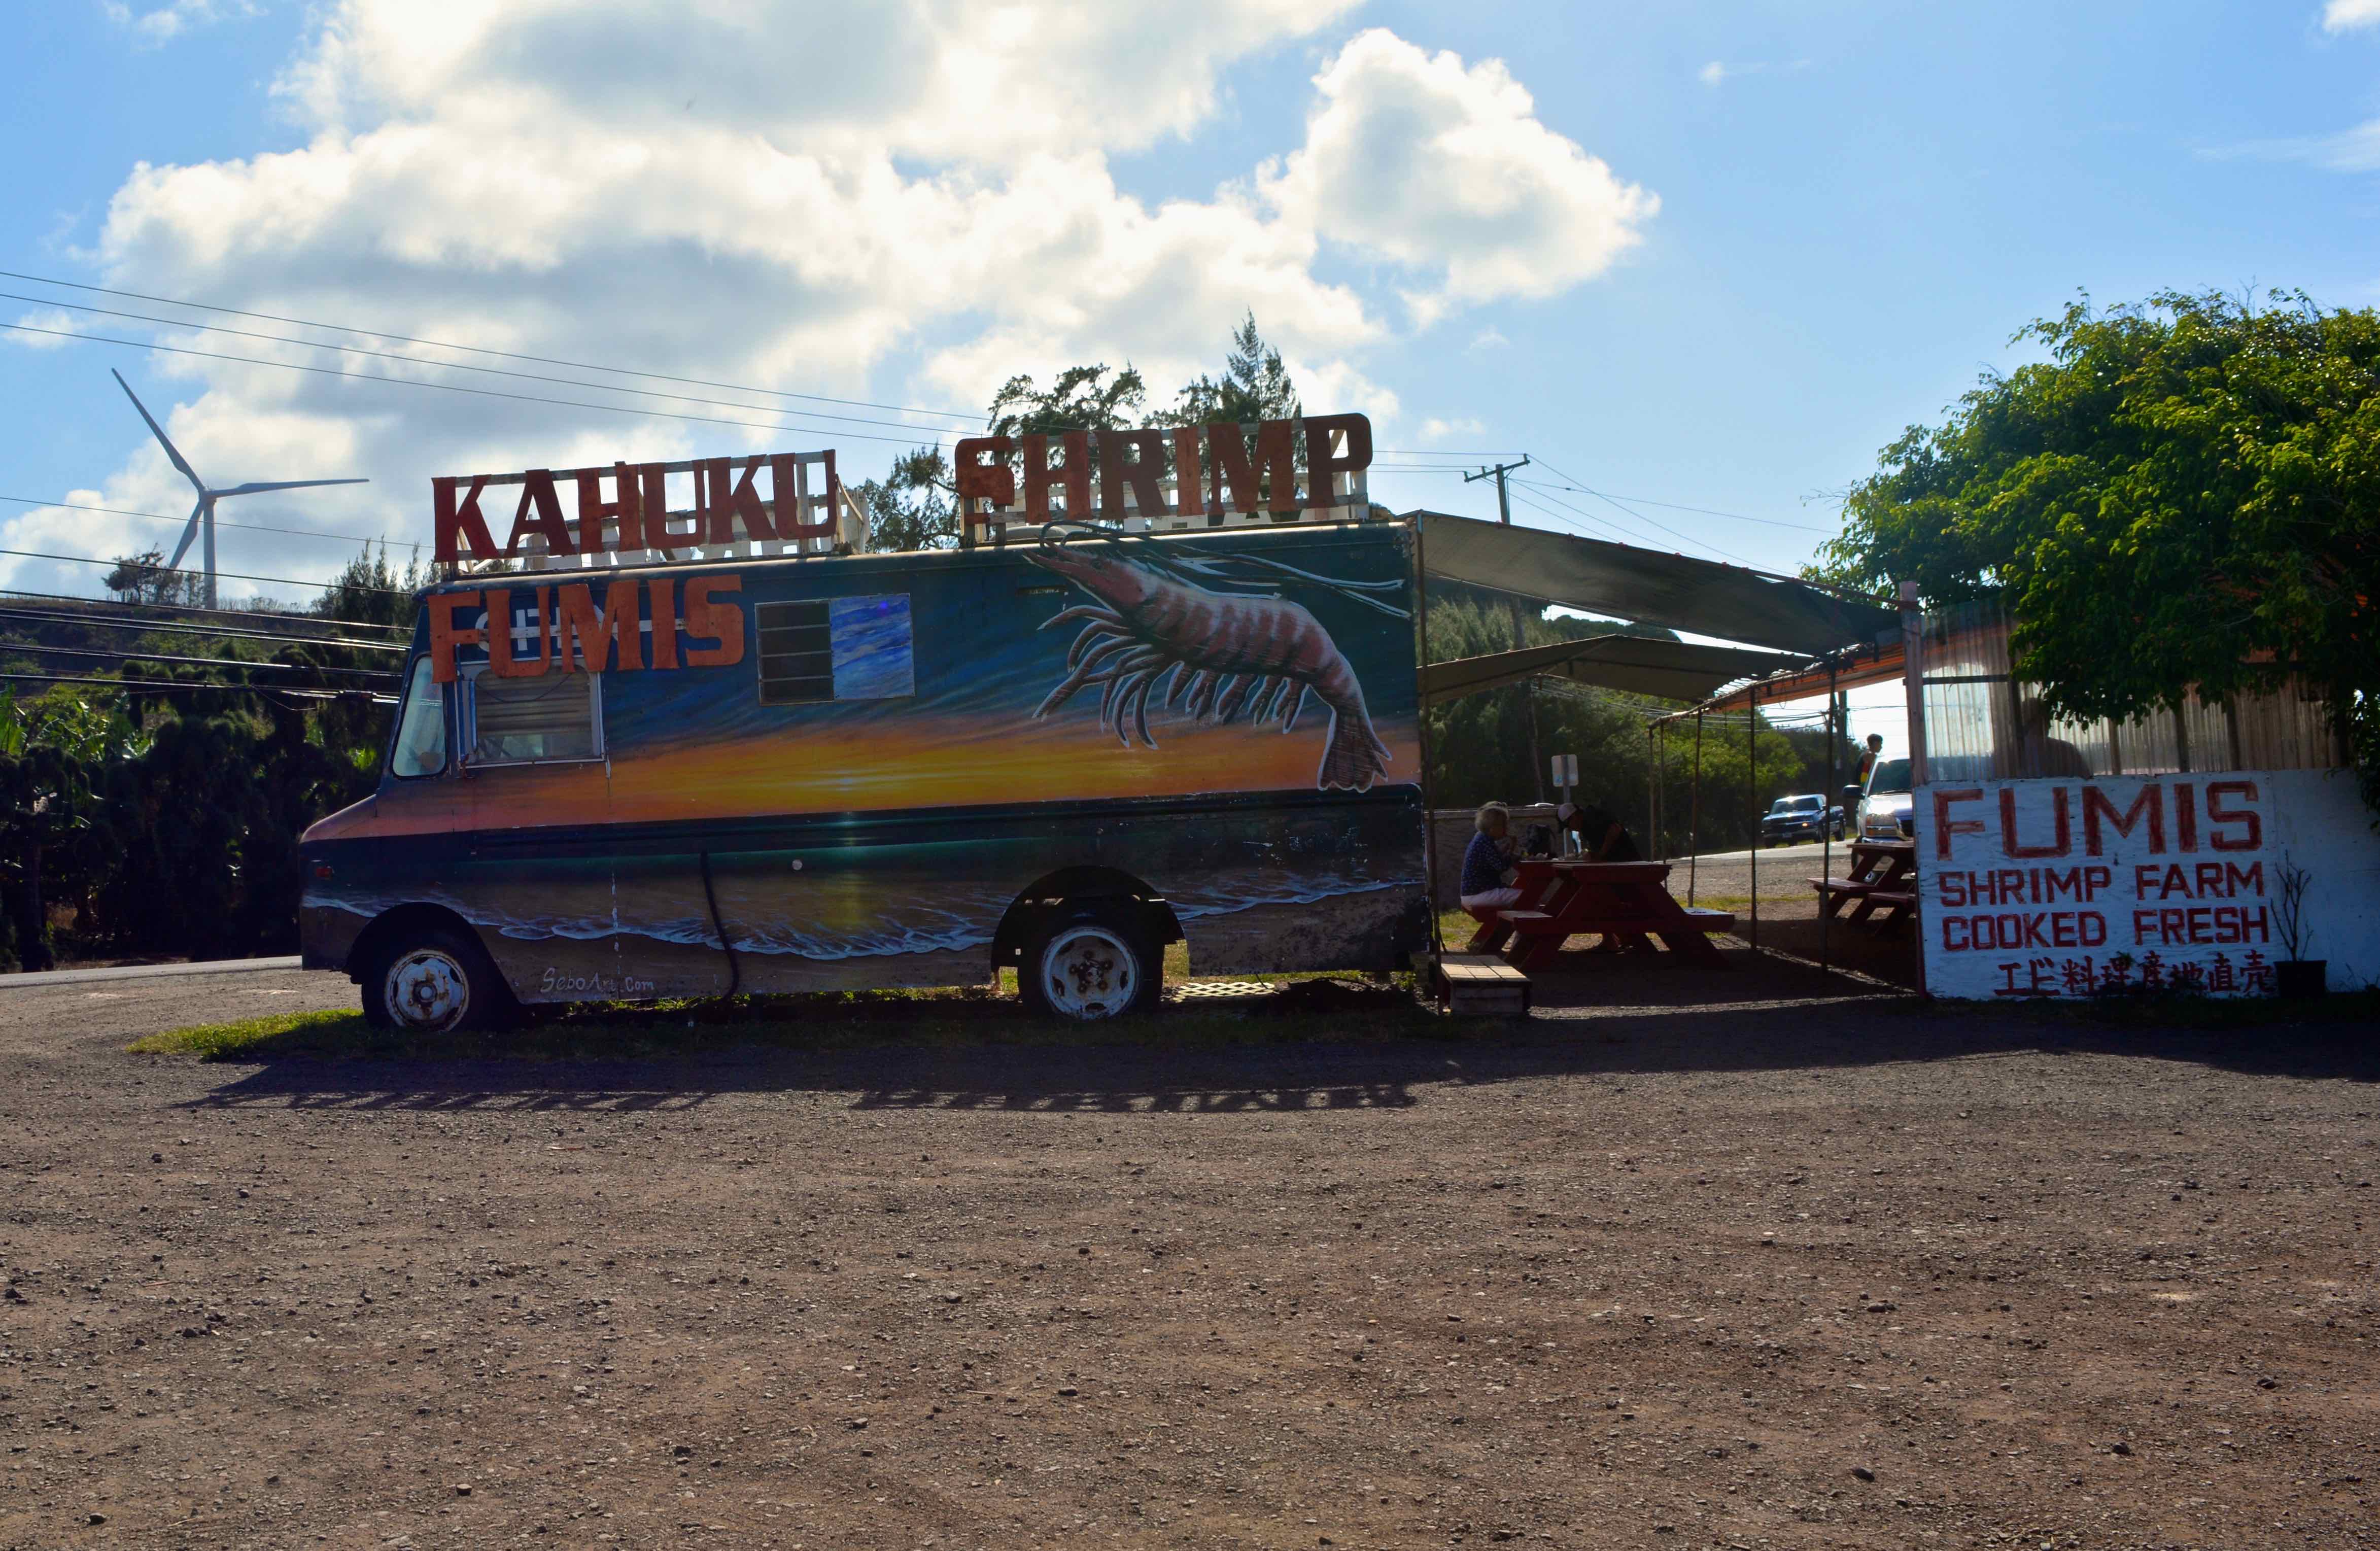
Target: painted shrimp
1225,653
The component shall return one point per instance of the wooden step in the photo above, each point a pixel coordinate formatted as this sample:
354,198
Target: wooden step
1476,985
1711,920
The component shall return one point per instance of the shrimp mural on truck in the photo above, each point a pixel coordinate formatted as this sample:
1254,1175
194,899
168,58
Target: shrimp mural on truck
1223,653
824,772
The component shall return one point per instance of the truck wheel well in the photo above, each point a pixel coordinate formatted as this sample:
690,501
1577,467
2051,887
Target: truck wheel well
1074,885
405,920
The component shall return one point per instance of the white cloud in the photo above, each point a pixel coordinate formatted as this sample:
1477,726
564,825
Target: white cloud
2349,151
1487,339
686,188
1434,430
2340,14
163,25
1444,168
1713,73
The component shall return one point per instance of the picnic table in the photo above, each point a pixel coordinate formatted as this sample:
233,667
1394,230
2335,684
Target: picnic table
1628,902
1883,877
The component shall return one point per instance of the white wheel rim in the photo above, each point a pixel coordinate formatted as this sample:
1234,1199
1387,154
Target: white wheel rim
426,990
1089,973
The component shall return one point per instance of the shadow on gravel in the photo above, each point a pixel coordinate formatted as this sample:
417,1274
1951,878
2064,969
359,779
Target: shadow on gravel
1378,1051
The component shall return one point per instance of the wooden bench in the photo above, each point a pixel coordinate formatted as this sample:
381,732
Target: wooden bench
1865,897
1479,985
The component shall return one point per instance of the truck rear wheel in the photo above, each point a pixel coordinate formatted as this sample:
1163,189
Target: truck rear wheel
434,981
1091,961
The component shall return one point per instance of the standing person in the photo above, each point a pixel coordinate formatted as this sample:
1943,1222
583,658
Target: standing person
1854,819
1488,876
1874,752
1601,838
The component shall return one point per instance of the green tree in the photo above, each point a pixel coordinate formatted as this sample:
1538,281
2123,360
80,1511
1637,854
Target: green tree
143,579
56,751
1081,398
1255,386
2185,493
914,506
1479,745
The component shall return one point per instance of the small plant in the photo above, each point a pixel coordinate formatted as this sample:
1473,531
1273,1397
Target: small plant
2289,907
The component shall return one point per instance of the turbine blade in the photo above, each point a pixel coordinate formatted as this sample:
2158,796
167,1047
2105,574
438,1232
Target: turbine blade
171,450
188,532
253,488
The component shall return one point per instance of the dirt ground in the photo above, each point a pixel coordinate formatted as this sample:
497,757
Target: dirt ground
1751,1260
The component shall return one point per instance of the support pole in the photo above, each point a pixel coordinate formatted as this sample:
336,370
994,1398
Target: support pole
1660,790
1651,790
1520,630
1912,680
1751,791
1694,813
1827,829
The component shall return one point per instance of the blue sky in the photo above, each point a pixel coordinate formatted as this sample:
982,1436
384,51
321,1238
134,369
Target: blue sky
1814,224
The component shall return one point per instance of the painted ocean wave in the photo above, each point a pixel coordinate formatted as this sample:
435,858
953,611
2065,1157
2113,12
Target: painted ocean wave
931,917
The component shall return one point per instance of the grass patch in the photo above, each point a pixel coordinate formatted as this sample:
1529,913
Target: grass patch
954,1018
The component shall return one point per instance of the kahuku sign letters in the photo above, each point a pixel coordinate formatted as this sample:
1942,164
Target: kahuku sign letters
2065,888
634,514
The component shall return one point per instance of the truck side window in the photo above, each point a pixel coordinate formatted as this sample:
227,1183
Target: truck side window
420,748
836,649
536,721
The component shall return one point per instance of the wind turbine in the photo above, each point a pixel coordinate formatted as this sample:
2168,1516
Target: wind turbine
202,515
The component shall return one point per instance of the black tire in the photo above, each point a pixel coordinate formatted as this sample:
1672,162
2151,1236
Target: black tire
1087,962
435,980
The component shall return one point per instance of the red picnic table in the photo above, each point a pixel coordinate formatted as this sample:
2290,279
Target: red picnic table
1883,876
1622,899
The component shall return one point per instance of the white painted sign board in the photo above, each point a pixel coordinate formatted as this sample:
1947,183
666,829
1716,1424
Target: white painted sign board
2067,888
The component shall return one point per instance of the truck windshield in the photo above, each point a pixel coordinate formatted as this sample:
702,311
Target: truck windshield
420,726
1892,776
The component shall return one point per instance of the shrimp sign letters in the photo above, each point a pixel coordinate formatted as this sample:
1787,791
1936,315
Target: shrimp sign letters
2067,888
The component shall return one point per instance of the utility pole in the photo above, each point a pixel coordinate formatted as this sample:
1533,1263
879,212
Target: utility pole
1520,629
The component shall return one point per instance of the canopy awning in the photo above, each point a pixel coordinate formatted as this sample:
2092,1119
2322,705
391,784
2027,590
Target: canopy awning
1648,587
1877,665
1638,665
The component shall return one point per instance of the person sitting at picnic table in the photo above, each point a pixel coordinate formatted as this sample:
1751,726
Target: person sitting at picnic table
1600,836
1488,876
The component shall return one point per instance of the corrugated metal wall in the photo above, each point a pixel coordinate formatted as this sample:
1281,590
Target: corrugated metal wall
1982,723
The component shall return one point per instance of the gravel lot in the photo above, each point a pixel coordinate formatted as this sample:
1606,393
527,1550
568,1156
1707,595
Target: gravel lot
1693,1261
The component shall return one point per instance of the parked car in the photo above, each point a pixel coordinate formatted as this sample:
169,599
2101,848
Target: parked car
1883,809
1799,818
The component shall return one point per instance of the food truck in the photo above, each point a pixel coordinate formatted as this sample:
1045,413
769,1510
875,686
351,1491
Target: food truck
655,748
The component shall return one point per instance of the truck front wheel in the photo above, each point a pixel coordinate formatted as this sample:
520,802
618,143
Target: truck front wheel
435,981
1091,961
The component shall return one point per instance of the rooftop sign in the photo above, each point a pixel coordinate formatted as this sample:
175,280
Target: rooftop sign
625,511
1178,477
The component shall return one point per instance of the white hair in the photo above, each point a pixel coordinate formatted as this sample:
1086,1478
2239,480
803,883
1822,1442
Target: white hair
1493,810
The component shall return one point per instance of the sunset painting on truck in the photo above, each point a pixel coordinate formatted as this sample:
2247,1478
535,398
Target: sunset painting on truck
867,757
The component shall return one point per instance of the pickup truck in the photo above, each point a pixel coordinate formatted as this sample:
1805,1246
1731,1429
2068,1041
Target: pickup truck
1801,818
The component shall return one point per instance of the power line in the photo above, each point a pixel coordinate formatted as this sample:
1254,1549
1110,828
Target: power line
165,516
235,575
160,686
1672,506
1577,520
200,609
452,387
11,647
1650,523
482,350
464,366
546,360
156,627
